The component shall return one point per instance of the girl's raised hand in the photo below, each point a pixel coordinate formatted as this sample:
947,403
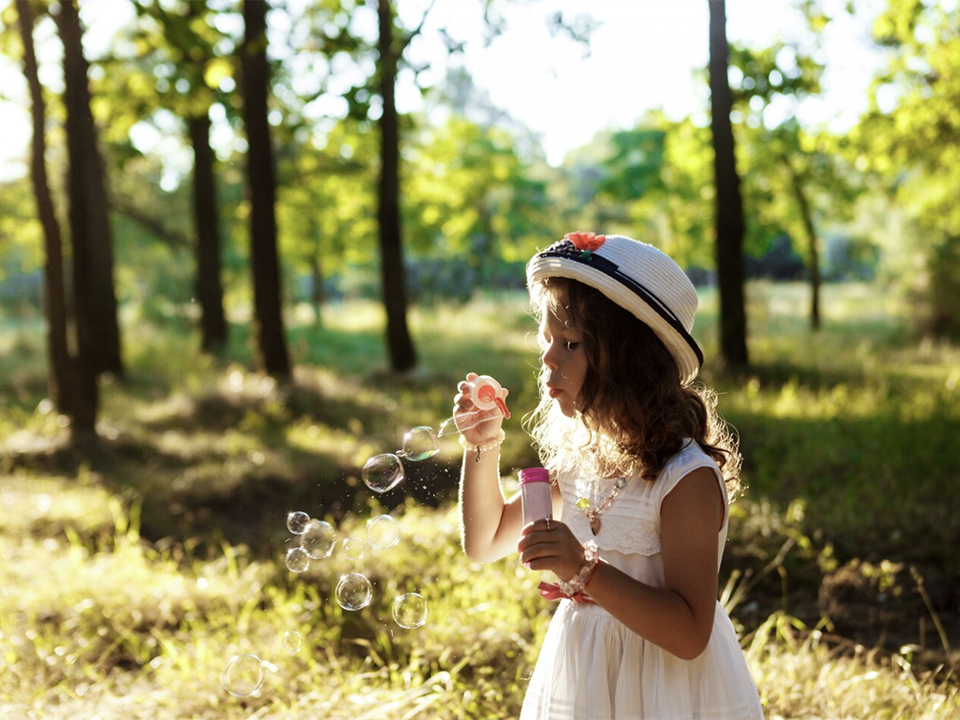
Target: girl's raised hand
552,547
475,425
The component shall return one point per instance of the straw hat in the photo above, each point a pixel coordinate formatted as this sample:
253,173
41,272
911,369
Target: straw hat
637,277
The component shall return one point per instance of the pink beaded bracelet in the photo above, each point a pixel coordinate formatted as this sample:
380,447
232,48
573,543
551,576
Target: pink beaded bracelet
483,447
591,556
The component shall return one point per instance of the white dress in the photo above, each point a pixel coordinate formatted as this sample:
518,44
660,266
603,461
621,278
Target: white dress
591,667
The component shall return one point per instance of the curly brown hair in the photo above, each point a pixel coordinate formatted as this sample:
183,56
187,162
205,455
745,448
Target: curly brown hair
634,414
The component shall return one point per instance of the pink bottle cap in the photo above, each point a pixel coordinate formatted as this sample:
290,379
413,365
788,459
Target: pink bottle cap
534,474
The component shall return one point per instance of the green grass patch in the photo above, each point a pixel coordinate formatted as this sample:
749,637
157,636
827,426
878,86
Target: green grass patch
131,574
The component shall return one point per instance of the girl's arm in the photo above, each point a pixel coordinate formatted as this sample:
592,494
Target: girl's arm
678,617
489,524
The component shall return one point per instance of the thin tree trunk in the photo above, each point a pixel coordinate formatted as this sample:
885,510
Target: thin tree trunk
89,210
812,243
85,226
213,323
729,203
393,275
54,300
317,294
261,180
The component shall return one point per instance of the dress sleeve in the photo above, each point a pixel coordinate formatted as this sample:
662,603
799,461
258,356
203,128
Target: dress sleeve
682,464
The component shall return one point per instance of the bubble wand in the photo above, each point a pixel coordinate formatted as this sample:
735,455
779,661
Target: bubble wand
486,394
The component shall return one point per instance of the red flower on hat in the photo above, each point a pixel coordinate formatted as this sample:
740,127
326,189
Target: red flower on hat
586,243
586,240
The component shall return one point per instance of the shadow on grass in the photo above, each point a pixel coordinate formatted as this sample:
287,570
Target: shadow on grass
220,467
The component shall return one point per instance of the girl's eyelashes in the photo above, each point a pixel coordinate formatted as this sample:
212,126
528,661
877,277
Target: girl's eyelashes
572,345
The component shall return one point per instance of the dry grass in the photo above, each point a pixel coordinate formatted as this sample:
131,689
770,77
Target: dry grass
129,579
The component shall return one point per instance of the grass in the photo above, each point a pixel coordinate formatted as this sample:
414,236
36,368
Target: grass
131,575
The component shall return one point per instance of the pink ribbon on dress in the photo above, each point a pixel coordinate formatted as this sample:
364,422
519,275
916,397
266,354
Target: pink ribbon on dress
549,591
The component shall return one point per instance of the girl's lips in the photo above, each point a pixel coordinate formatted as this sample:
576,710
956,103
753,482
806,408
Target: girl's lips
553,392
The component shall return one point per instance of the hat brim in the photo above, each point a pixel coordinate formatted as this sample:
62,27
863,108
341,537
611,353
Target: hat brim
684,349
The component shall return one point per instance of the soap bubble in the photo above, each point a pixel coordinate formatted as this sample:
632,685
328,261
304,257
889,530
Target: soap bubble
292,642
318,539
382,472
354,591
297,560
297,522
383,532
243,675
353,548
419,444
410,610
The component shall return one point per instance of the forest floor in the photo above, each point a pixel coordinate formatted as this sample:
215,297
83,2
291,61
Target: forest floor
134,570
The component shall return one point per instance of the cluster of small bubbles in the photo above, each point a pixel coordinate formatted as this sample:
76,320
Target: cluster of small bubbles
354,591
352,548
292,642
318,539
410,610
419,444
297,522
243,675
383,532
297,560
382,473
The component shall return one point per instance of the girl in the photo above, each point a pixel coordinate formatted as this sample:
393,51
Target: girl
643,471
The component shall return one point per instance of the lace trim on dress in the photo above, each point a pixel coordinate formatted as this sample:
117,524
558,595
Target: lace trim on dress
631,528
631,525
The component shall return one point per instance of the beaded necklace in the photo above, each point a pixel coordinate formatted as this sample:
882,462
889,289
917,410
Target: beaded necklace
593,513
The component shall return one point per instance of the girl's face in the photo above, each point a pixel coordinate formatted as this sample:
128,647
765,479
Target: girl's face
563,358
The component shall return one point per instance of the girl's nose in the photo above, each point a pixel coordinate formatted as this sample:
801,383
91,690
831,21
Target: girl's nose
549,358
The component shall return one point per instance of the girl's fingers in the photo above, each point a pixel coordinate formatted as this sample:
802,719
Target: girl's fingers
532,538
537,552
541,525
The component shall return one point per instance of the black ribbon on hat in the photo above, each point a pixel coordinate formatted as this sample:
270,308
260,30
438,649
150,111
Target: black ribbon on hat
566,250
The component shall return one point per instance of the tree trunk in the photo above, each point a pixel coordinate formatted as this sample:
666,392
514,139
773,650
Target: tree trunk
54,300
393,276
213,324
812,243
317,294
264,259
89,210
84,225
729,204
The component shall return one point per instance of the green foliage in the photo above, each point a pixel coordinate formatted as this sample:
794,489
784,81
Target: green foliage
129,579
759,76
468,196
909,141
792,176
20,233
635,165
646,182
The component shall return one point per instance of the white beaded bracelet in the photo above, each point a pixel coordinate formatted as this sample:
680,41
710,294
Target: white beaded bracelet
483,447
591,556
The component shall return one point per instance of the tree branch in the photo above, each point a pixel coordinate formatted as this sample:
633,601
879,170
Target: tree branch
155,226
417,30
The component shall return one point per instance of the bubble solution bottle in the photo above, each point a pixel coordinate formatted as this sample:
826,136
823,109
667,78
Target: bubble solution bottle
536,500
535,495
